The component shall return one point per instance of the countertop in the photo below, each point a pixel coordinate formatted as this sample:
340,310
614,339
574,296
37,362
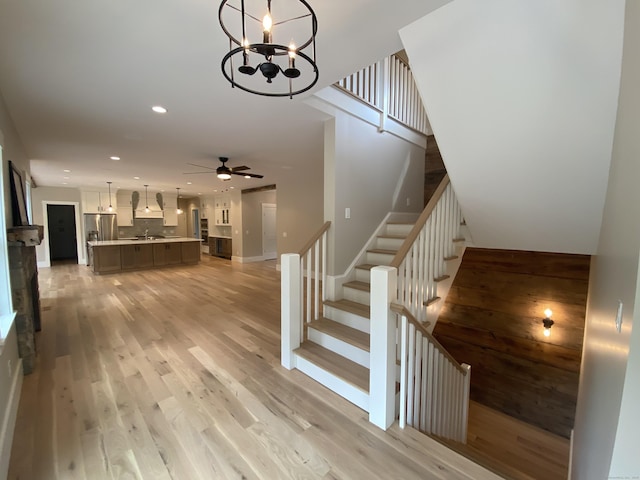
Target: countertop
123,241
219,236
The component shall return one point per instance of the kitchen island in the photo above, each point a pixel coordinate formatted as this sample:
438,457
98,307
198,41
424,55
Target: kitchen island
110,256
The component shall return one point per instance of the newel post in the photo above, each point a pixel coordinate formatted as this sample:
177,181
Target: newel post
382,376
291,308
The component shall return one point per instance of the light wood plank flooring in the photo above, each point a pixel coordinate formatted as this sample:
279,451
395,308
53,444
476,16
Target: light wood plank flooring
175,374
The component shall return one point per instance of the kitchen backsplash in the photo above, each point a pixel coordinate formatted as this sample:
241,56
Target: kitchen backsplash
154,225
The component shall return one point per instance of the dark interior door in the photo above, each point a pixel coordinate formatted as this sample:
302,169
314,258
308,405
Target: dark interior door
62,232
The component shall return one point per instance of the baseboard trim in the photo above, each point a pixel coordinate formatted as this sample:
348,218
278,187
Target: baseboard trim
260,258
9,423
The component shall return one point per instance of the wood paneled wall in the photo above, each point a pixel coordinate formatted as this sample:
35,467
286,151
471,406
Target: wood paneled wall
492,320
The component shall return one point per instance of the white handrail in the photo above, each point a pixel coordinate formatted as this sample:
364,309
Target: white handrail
389,87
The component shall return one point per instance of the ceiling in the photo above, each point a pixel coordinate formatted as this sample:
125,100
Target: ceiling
79,80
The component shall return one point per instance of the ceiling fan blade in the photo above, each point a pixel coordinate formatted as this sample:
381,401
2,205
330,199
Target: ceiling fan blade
197,173
241,167
252,175
200,166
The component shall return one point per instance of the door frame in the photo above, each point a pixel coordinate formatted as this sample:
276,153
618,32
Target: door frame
46,262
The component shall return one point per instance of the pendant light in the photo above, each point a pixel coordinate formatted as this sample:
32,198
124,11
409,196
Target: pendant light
146,198
110,208
178,209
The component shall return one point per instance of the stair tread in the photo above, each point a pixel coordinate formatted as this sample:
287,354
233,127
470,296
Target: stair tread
400,223
431,301
358,285
365,266
350,306
342,332
386,251
340,366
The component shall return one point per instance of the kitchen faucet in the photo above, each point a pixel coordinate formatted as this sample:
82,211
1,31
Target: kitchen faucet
146,234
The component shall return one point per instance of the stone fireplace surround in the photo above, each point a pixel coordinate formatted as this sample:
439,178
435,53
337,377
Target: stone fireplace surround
25,294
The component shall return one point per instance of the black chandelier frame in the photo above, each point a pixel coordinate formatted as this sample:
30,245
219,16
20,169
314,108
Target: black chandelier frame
268,51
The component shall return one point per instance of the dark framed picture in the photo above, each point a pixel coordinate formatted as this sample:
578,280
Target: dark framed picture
18,200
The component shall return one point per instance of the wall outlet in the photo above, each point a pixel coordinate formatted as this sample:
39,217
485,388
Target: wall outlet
284,234
408,202
347,212
619,317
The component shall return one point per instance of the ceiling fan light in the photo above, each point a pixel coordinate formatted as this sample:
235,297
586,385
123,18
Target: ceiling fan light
224,176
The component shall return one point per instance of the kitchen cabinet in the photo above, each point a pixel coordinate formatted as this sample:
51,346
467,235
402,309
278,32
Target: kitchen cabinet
170,217
167,254
190,252
220,247
95,202
125,217
136,256
106,259
222,216
223,207
141,213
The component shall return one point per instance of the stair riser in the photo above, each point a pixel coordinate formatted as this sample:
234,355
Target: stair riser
395,229
363,275
346,318
389,243
334,344
342,388
356,295
379,258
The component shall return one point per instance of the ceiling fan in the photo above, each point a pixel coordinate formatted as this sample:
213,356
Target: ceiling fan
224,173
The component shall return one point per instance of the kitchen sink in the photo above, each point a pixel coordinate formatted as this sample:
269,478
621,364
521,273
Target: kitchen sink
149,237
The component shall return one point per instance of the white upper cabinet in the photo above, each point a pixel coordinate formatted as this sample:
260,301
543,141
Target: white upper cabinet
96,202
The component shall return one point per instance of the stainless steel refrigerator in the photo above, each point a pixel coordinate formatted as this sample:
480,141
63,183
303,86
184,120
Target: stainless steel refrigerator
99,226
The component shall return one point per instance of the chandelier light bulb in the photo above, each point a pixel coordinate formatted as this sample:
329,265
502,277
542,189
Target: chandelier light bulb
547,332
548,313
267,23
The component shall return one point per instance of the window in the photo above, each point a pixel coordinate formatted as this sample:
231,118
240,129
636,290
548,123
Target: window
6,307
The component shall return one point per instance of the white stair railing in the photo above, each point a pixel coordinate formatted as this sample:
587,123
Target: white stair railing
434,387
303,280
421,259
389,87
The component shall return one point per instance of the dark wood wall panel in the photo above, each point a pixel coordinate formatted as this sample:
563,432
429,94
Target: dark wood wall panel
492,320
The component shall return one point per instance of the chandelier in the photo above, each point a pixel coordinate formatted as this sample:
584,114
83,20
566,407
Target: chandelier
256,43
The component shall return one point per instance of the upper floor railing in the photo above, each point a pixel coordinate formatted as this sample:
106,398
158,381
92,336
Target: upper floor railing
389,87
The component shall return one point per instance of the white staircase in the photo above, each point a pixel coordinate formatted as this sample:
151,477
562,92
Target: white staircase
336,349
391,365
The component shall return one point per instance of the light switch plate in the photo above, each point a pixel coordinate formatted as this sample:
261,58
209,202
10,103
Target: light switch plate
619,317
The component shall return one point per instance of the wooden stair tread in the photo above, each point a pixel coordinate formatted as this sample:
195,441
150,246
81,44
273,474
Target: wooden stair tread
358,285
431,301
441,278
340,366
451,257
342,332
383,250
350,306
365,266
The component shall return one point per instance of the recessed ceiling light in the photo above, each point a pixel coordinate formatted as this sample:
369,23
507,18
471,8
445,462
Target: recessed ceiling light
66,171
136,178
114,158
159,109
232,188
199,193
64,183
247,176
66,178
188,183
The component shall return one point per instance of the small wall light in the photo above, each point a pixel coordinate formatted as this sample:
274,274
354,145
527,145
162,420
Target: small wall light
547,322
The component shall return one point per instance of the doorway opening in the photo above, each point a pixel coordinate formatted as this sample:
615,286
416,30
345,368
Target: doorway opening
62,237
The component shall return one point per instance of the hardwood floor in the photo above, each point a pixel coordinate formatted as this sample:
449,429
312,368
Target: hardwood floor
175,374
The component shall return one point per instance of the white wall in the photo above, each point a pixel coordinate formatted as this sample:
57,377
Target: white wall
370,173
521,96
607,420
